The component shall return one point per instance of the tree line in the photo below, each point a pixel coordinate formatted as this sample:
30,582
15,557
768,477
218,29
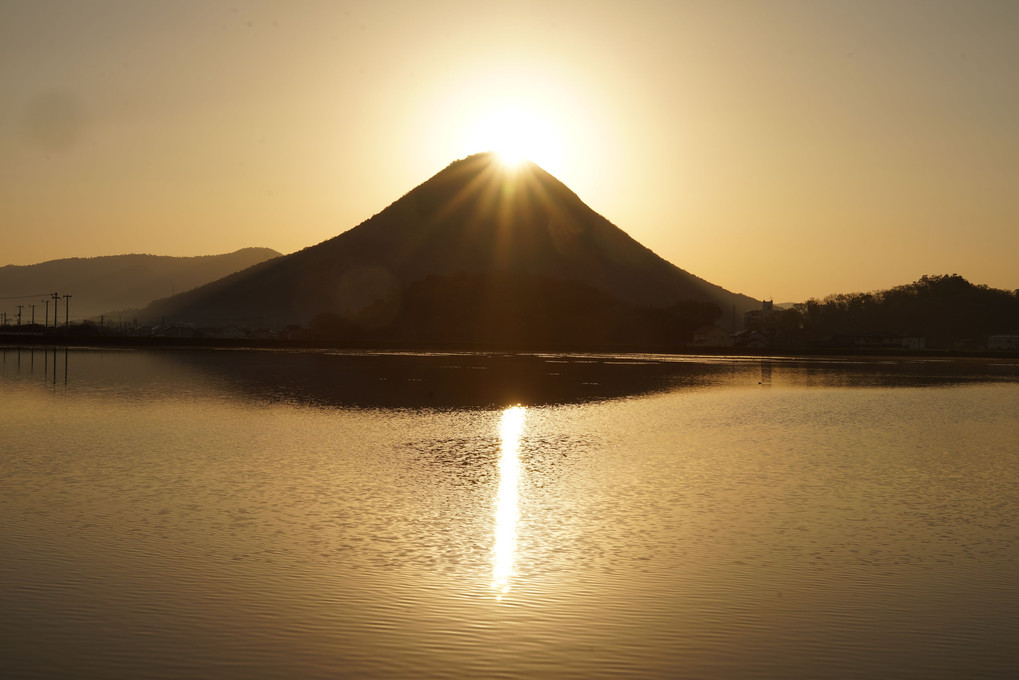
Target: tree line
946,310
508,310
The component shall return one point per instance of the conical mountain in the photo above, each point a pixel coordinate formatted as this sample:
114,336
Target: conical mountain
474,224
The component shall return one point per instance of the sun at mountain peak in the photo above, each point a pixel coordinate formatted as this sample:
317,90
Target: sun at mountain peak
516,137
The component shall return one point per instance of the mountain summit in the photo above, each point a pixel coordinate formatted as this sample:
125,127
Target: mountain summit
475,226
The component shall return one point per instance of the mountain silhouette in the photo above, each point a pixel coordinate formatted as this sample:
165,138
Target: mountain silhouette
111,283
475,241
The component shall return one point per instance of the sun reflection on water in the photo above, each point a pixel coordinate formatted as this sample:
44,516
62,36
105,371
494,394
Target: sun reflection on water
507,510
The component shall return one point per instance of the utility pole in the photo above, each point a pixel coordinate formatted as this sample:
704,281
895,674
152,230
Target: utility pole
19,315
33,315
67,311
46,321
56,306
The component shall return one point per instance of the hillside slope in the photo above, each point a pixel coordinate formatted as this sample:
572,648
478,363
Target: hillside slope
100,285
474,218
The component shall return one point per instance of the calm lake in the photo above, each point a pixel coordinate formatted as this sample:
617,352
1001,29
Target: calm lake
264,514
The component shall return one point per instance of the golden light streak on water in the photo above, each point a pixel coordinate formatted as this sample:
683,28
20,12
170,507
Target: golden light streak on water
507,509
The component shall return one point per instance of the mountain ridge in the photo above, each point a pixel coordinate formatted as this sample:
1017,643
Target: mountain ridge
105,284
474,217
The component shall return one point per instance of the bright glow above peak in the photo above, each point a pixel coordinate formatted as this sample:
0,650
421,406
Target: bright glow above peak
517,136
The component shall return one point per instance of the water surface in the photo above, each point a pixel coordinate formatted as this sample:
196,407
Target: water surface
244,514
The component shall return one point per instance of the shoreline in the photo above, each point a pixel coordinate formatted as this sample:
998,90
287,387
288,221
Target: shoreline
39,341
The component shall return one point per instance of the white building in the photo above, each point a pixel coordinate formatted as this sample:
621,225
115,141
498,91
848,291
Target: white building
712,335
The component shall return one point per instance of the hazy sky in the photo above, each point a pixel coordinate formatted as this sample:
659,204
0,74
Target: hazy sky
780,149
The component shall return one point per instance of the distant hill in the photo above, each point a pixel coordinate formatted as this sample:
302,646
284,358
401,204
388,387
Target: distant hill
473,229
101,285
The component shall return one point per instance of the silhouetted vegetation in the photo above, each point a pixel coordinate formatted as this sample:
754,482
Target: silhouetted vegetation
947,311
513,311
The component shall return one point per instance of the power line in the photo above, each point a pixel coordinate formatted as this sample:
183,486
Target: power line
22,297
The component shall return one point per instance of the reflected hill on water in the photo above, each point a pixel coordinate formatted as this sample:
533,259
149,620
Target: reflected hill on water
361,380
452,380
442,381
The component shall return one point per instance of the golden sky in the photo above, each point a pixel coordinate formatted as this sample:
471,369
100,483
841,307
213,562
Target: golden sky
781,149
